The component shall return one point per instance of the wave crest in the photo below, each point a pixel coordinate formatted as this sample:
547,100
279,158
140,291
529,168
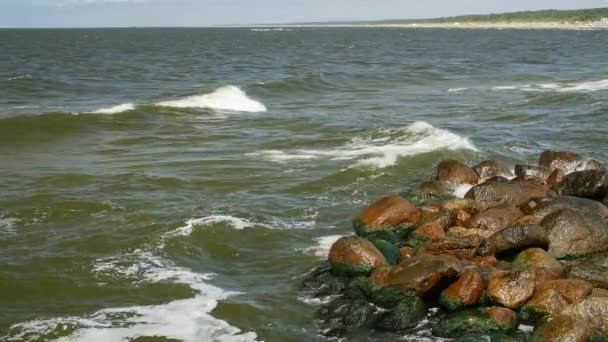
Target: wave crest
230,98
382,148
565,87
125,107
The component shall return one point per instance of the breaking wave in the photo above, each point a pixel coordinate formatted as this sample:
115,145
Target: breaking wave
230,98
125,107
564,87
381,149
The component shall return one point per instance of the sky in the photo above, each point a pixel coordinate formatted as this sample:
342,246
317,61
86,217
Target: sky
126,13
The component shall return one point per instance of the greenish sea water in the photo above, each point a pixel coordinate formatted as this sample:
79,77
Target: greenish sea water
176,184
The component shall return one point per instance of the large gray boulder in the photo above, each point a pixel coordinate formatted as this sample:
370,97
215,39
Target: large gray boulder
591,184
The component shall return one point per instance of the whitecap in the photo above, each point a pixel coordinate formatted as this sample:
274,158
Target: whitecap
457,90
322,246
7,225
564,87
19,77
383,148
125,107
228,98
186,230
184,319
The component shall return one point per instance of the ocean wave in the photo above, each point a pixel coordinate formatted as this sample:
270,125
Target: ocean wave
125,107
563,87
7,225
322,246
381,149
18,77
185,319
457,90
230,98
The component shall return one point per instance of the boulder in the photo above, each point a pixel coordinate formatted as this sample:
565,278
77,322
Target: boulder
465,204
389,250
466,291
547,157
536,258
515,238
592,184
484,261
463,248
422,273
455,173
572,290
429,191
593,269
534,187
430,230
390,212
496,218
592,309
556,177
511,289
544,302
341,315
549,205
354,255
321,282
526,171
402,310
573,234
563,328
462,232
479,321
461,217
491,168
492,194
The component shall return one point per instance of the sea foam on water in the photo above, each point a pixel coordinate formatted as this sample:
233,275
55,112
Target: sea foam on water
230,98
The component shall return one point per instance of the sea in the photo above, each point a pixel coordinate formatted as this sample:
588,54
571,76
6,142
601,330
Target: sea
177,184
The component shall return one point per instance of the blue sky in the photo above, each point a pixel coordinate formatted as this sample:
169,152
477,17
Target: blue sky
110,13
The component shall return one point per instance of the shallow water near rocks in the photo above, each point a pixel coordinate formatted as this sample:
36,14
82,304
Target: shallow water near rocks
178,184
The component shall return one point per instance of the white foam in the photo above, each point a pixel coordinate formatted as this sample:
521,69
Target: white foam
19,77
381,149
7,225
457,90
229,98
564,87
462,190
125,107
322,246
235,222
184,319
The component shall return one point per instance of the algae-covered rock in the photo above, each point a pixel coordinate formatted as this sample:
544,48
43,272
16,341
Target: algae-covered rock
353,256
389,250
390,212
546,301
341,315
428,192
466,291
321,282
404,309
511,289
536,258
479,321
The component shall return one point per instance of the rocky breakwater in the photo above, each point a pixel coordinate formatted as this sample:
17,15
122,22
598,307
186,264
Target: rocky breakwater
529,247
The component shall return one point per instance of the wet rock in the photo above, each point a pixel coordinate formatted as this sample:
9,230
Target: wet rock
341,315
489,338
431,230
421,273
511,289
466,291
592,309
527,171
536,258
593,269
456,173
429,191
484,261
546,301
492,194
528,219
390,212
550,205
404,311
462,232
465,204
461,217
480,321
459,247
407,252
561,329
572,290
389,250
597,292
359,288
441,217
515,238
495,219
491,168
556,177
548,157
534,187
354,255
592,184
499,179
574,234
320,282
544,275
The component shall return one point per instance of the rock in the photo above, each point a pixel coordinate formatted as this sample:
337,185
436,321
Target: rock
492,194
562,329
544,302
341,315
429,191
556,177
573,234
430,230
528,219
498,179
408,311
511,289
459,247
462,232
515,238
544,275
455,173
390,212
491,168
461,217
354,255
488,338
592,309
572,290
534,187
421,273
495,219
526,171
321,282
406,252
597,292
480,321
592,184
547,157
484,261
359,288
466,291
464,204
536,258
390,251
593,269
546,207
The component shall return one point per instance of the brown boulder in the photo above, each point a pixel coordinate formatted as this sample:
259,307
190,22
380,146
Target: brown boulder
461,217
536,258
515,238
455,173
491,168
511,289
593,269
527,171
484,261
546,301
422,273
534,187
547,157
386,213
592,309
574,233
495,219
466,291
462,232
492,194
555,178
459,247
354,255
549,205
430,230
563,329
572,290
592,184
